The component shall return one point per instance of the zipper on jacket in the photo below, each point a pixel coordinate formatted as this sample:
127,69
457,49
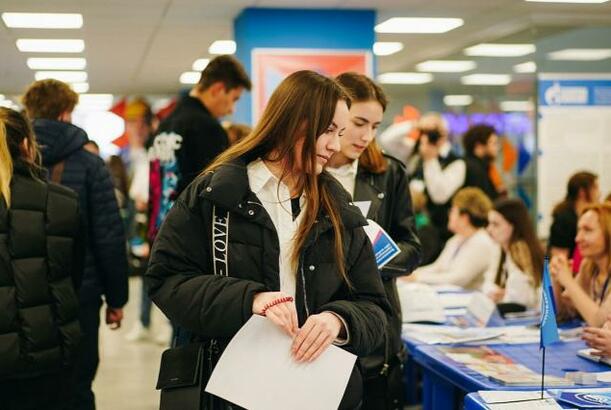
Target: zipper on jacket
303,285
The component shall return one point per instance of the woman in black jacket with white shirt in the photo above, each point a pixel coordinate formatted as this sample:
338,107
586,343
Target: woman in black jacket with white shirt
265,231
381,181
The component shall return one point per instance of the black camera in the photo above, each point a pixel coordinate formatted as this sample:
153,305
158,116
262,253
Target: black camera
433,135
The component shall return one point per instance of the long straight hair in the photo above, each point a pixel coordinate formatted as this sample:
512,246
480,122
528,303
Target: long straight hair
300,109
363,89
516,213
583,180
14,128
604,219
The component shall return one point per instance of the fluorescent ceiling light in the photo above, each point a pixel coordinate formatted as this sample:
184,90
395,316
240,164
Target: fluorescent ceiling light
99,102
190,77
418,25
446,66
580,54
222,47
37,63
405,78
43,20
386,48
80,87
66,76
569,1
30,45
527,67
457,100
486,79
516,105
200,64
500,50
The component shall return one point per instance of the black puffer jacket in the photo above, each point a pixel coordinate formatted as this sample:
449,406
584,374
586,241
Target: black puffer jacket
106,258
39,267
180,275
391,208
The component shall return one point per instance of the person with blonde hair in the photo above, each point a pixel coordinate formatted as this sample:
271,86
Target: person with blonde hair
49,103
40,271
587,294
465,257
513,282
265,231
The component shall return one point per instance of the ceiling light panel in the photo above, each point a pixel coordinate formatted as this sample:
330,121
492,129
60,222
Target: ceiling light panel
190,77
222,47
66,76
527,67
43,20
41,63
405,78
30,45
418,25
500,50
446,66
200,64
457,100
386,48
580,54
486,79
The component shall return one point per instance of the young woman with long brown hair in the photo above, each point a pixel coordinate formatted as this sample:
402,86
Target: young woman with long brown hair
380,180
265,226
514,281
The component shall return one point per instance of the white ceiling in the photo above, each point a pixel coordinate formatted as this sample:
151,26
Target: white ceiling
142,46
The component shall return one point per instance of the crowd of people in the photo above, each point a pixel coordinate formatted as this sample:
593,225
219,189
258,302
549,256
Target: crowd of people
229,222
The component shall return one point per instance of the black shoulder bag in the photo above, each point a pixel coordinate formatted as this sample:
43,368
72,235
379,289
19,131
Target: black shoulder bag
185,370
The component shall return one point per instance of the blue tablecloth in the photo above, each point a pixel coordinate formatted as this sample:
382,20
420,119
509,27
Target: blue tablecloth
446,382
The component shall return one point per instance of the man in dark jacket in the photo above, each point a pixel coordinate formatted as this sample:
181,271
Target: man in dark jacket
481,148
50,103
191,137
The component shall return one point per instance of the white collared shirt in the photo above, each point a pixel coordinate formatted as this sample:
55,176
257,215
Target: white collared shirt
276,199
346,175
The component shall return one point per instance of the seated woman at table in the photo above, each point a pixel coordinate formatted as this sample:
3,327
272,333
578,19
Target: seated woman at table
465,257
513,281
587,294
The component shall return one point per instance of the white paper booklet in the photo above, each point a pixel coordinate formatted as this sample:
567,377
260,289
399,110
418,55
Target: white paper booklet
257,371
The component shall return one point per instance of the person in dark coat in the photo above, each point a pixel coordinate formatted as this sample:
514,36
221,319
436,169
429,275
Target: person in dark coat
381,182
50,104
40,269
481,149
285,236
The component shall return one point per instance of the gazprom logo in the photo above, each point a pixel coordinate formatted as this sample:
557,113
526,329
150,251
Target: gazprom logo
561,95
592,398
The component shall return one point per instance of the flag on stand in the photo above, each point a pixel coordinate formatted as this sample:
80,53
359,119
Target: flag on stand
549,328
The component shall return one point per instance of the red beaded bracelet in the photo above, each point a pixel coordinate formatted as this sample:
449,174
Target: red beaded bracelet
276,302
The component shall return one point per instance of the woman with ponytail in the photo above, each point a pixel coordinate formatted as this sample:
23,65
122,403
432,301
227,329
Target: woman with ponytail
39,271
265,231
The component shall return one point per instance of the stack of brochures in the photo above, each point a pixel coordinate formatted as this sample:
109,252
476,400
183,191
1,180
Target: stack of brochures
500,368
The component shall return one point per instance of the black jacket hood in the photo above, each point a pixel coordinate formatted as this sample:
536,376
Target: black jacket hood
58,140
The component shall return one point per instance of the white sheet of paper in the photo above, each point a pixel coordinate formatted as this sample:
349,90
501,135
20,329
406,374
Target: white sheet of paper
604,377
363,206
455,300
502,400
257,371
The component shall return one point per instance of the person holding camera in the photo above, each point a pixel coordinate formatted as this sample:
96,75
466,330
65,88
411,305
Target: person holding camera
441,170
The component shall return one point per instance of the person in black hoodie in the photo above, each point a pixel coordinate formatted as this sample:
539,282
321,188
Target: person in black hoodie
40,269
50,104
481,148
381,181
264,231
191,137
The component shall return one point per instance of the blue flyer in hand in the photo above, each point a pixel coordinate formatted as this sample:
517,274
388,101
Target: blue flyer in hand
384,248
